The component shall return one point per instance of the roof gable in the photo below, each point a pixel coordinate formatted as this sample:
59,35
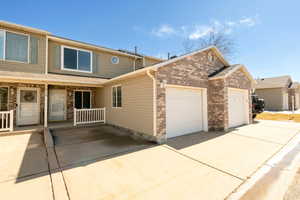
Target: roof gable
213,48
273,82
227,71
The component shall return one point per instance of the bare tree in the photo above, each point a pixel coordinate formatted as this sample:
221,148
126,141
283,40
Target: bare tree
222,41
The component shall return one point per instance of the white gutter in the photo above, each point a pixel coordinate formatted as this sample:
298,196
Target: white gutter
154,102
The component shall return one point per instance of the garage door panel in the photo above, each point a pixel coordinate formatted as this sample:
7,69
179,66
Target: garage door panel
183,111
238,106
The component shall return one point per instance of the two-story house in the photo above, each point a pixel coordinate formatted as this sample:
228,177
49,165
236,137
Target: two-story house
45,78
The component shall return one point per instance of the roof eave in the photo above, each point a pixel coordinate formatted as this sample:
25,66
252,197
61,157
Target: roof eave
23,28
78,43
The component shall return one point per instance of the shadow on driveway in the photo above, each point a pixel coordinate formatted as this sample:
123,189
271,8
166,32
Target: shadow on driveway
86,144
185,141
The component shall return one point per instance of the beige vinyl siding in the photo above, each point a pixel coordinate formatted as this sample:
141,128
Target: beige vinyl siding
27,67
137,104
102,66
149,61
273,98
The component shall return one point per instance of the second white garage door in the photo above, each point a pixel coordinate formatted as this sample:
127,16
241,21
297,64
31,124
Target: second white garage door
238,105
184,111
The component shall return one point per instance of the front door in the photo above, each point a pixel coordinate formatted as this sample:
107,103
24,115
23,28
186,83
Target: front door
57,104
28,110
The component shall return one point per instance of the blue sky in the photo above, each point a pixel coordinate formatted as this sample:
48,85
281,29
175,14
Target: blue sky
267,32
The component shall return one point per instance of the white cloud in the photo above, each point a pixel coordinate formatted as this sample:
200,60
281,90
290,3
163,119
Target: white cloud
200,31
248,21
164,30
230,23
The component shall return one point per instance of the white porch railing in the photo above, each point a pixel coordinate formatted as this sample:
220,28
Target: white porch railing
6,120
89,116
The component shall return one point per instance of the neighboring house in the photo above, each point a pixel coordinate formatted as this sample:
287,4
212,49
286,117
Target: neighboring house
275,92
45,78
294,96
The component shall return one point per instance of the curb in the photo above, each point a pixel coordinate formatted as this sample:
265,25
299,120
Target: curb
266,168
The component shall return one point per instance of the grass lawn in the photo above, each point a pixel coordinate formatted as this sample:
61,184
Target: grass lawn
279,117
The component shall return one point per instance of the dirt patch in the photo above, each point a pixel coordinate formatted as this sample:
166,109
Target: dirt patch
279,117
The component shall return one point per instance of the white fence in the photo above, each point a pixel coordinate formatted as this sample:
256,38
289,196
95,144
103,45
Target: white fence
6,120
89,116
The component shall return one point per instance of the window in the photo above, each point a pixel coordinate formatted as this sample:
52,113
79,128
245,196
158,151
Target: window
14,46
115,60
76,60
3,98
117,96
82,99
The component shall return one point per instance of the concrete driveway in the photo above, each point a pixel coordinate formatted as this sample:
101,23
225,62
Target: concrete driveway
107,164
204,165
24,172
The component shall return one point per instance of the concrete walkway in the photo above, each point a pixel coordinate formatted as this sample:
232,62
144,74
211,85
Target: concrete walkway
96,164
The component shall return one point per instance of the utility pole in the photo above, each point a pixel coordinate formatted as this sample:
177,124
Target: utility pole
135,49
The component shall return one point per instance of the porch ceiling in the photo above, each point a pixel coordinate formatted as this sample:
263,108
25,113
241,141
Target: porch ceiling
53,79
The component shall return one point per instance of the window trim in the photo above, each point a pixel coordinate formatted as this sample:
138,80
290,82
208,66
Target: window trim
82,98
4,46
8,95
77,49
112,97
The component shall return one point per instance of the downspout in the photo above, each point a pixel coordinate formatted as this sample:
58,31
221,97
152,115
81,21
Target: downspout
144,63
154,102
134,64
46,87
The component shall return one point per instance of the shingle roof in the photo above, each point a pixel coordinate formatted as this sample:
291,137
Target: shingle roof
295,85
273,82
223,71
51,78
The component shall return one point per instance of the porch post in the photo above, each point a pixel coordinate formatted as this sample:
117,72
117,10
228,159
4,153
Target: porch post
11,122
46,107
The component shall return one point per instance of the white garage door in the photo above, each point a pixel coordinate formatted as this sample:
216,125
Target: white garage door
297,99
183,111
285,101
238,107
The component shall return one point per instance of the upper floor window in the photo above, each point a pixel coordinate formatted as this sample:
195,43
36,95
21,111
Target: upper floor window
76,59
14,46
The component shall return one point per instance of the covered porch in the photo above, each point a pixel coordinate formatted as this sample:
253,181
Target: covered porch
28,101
